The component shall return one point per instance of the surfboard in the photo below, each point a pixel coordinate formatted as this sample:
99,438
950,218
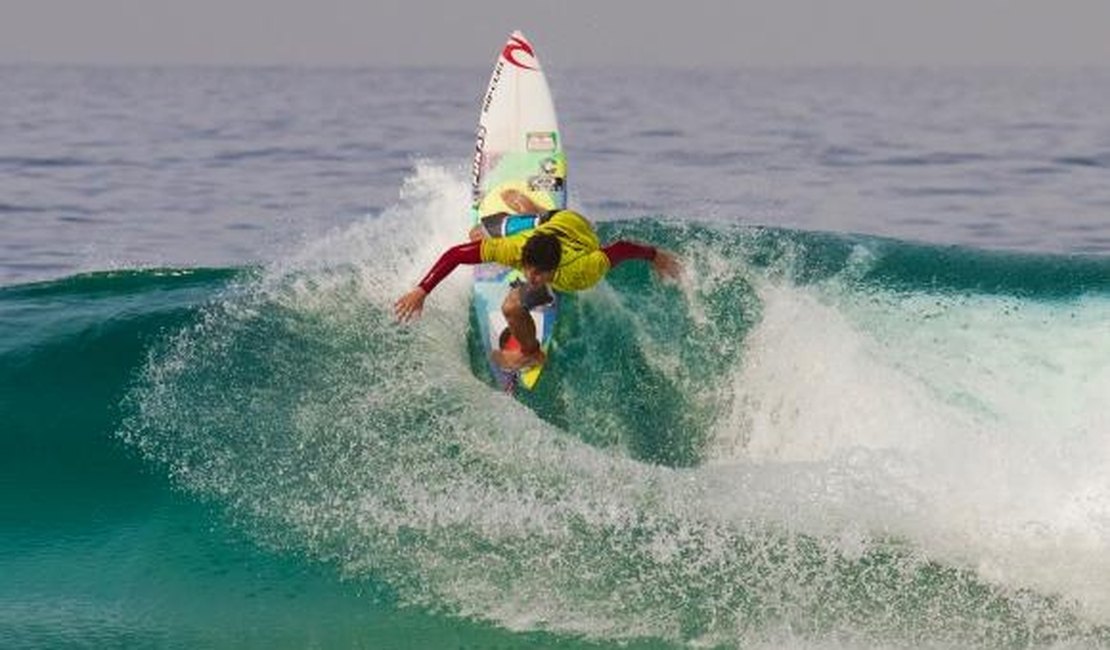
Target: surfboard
518,164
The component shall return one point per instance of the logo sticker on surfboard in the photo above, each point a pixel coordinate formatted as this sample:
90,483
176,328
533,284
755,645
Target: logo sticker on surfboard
514,48
541,141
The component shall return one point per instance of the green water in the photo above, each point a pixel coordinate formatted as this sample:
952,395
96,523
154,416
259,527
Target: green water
230,458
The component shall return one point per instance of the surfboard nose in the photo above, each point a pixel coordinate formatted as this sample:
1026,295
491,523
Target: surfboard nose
519,52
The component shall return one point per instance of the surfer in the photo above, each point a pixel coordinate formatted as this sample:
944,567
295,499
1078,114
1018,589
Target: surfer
559,250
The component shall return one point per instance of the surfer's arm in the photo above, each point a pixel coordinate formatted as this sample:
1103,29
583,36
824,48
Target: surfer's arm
622,251
468,253
411,304
664,263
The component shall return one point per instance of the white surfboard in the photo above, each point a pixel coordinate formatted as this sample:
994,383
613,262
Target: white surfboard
519,166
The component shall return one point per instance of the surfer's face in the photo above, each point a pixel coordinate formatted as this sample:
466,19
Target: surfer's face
537,277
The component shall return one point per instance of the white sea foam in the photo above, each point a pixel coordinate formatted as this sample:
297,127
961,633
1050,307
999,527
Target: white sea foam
860,422
985,417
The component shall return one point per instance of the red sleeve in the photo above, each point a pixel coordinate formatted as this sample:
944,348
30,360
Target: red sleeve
468,253
622,250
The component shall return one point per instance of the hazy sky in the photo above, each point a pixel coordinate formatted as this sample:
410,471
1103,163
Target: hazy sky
565,32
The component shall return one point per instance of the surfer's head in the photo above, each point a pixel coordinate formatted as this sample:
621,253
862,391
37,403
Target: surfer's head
540,257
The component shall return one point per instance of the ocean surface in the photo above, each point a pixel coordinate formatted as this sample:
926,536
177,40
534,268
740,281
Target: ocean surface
874,414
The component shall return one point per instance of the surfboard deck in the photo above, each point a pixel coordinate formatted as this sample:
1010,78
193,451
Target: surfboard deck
518,163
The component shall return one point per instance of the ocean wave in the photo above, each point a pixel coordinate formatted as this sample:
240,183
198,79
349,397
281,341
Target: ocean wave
815,437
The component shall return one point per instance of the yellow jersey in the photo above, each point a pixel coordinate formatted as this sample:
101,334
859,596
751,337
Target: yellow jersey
582,263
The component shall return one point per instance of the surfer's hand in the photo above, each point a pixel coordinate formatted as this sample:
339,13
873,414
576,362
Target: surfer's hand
666,265
409,306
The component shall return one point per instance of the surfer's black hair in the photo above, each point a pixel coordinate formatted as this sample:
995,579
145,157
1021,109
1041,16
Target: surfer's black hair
542,251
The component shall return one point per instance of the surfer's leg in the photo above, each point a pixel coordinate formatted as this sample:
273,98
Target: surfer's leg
523,329
520,321
490,226
504,224
535,296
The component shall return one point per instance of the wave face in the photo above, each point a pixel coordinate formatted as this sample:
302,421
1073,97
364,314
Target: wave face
815,440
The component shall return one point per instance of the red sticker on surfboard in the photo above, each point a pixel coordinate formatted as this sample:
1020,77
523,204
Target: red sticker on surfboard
512,50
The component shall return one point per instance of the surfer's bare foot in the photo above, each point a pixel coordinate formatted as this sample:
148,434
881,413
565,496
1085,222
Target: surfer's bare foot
520,202
517,360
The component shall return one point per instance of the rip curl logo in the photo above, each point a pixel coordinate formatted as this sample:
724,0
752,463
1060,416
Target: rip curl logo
515,46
